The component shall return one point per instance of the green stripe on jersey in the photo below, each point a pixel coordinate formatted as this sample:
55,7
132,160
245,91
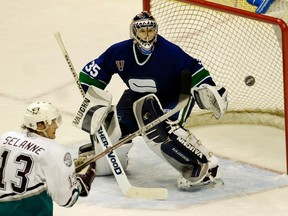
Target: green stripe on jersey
199,76
84,78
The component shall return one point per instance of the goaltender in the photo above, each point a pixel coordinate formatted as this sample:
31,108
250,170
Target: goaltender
149,64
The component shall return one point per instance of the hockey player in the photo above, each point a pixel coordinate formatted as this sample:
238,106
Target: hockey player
148,63
35,170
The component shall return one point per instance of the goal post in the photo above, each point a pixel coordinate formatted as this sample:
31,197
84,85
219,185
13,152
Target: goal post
244,51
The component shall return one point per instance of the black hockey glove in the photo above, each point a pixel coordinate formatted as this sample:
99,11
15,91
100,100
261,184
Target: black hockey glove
86,179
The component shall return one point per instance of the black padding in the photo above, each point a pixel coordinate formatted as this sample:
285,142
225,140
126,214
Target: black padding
176,149
178,152
86,148
185,86
151,111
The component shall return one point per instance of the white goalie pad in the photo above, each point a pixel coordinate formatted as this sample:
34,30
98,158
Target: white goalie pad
93,110
103,168
137,108
213,98
113,130
112,126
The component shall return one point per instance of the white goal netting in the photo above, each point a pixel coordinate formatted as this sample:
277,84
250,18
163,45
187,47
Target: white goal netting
232,47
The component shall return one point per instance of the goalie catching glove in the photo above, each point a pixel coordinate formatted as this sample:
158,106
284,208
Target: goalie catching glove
213,98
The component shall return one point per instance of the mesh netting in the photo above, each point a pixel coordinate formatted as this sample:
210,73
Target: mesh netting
231,48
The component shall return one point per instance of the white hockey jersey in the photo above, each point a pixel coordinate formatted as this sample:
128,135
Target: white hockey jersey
35,170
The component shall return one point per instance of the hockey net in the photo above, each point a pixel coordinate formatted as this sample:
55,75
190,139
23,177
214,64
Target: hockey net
232,44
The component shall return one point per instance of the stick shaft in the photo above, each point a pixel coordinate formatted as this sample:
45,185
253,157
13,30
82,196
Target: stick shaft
69,62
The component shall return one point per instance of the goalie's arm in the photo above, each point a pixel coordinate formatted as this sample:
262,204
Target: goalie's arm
207,94
87,81
95,74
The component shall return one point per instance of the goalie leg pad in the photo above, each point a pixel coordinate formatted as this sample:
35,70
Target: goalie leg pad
177,146
103,168
87,152
113,130
179,150
188,144
146,110
112,126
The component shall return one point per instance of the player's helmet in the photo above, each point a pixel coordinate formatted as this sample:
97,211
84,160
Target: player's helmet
41,112
144,21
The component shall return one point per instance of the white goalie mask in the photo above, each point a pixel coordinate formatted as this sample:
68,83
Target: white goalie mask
41,112
144,30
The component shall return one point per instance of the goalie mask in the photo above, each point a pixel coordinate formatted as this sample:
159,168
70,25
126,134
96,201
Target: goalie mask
144,29
41,112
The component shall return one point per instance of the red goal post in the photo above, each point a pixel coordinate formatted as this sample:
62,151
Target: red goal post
233,44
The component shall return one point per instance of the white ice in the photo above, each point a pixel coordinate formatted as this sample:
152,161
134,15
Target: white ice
33,68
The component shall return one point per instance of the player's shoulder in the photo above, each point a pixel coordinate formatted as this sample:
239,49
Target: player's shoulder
11,135
163,42
121,44
57,153
54,147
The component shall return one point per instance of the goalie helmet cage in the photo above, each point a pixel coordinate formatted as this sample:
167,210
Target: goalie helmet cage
244,51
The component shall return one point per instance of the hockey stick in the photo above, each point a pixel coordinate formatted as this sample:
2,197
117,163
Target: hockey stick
105,143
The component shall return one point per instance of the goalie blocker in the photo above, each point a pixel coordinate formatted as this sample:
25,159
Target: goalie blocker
177,146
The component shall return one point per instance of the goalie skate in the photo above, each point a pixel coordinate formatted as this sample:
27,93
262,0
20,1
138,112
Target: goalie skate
212,180
204,185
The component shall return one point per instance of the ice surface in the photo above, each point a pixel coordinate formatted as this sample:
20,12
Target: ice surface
146,170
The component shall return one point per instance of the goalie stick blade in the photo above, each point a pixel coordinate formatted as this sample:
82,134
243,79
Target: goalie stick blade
147,193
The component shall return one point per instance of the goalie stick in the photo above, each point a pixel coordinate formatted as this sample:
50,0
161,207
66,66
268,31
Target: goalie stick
119,173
